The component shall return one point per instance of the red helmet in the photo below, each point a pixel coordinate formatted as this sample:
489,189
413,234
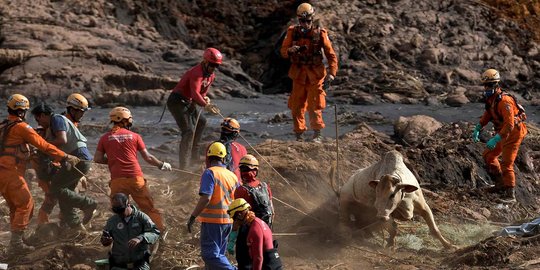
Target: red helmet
212,55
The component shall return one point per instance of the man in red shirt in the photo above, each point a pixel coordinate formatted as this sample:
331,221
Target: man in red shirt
230,130
182,103
262,250
120,145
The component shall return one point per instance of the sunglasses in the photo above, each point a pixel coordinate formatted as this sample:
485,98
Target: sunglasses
304,20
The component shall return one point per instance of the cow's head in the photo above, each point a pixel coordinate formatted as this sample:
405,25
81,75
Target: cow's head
389,192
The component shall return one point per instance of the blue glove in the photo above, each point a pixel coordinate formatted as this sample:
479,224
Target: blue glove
476,133
232,242
493,141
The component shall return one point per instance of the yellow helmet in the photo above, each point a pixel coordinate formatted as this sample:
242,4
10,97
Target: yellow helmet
18,102
217,149
236,206
491,75
120,113
77,101
230,124
305,11
249,161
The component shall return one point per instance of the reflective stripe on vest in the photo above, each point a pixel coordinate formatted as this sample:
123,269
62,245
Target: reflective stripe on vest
224,185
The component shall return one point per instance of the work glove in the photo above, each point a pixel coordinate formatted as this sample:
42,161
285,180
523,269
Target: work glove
70,161
493,141
166,166
207,99
232,242
330,78
476,133
190,223
211,108
106,239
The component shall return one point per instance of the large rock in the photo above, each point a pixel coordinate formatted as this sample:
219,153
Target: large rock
411,130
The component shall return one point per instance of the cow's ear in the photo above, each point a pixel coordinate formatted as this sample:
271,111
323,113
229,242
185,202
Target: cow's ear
373,183
407,188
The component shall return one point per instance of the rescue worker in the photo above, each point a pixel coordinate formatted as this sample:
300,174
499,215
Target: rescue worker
230,130
15,135
191,91
130,231
76,106
508,119
304,45
258,195
118,148
61,132
257,250
216,193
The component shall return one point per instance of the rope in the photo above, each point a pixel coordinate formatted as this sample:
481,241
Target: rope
274,169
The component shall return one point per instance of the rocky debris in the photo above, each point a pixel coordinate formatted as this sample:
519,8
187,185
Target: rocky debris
411,130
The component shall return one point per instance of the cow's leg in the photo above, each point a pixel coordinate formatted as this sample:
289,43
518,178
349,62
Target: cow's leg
423,210
392,227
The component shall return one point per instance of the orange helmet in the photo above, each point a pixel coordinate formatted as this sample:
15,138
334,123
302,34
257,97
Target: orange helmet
77,101
120,113
250,161
305,11
18,102
230,124
212,55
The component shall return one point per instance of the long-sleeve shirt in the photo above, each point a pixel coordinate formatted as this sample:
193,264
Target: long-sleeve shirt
501,114
194,85
259,240
124,229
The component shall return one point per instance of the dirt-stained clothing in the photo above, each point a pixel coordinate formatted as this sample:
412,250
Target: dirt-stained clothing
14,154
503,111
138,224
308,73
121,147
182,103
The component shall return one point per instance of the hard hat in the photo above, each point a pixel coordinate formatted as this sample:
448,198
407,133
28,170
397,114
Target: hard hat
212,55
490,76
230,124
250,161
217,149
238,205
77,101
119,113
18,102
305,11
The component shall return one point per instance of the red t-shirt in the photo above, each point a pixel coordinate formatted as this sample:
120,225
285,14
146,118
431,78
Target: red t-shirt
242,192
194,85
259,239
121,148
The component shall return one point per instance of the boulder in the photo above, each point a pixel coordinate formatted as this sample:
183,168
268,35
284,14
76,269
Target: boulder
413,129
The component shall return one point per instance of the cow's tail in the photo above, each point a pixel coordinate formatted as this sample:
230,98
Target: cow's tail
333,174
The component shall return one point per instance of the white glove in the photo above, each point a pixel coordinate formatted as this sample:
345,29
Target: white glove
165,166
207,99
331,78
211,108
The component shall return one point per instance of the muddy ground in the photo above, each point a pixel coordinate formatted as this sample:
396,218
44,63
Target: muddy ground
447,163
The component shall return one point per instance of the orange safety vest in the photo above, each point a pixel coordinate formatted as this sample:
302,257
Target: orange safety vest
310,46
225,183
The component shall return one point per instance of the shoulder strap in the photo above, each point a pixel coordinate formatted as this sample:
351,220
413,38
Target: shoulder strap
5,127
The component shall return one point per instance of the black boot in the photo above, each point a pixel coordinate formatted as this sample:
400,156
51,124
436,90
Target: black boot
17,246
508,196
299,137
499,186
317,137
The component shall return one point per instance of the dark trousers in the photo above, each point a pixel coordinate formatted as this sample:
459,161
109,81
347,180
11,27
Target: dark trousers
185,114
63,186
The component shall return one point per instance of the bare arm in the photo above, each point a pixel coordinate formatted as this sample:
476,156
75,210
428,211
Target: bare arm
60,138
99,157
151,159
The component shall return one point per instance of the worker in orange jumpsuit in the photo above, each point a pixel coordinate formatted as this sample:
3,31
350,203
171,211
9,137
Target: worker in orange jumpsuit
15,135
76,107
118,149
304,45
508,119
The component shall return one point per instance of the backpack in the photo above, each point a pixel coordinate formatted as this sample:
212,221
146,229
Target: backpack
262,206
520,117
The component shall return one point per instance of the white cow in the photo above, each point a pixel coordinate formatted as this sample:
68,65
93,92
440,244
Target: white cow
385,191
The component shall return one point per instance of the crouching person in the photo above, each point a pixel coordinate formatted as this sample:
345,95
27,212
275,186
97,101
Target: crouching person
255,248
130,232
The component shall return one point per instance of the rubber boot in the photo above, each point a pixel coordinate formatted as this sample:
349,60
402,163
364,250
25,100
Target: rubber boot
17,246
299,137
509,195
498,187
317,137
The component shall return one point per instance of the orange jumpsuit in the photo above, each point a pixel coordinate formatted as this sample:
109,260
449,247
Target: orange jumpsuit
12,166
307,73
510,126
